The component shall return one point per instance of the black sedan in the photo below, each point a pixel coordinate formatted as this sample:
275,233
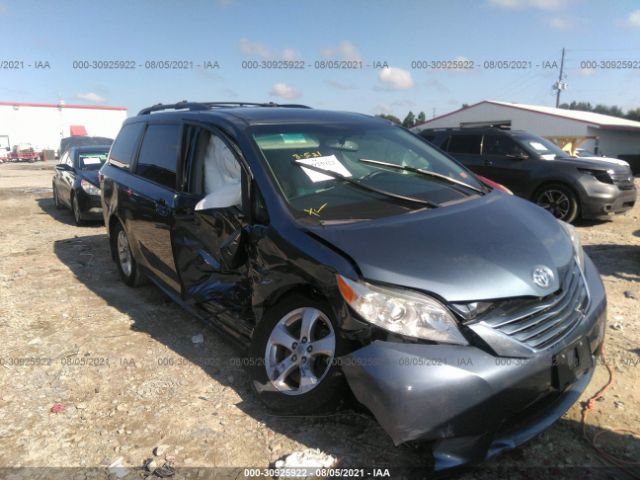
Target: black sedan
75,182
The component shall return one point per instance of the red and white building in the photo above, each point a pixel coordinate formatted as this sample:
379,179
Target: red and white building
43,124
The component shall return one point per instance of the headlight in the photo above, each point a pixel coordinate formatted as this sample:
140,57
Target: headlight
401,311
89,187
571,232
601,175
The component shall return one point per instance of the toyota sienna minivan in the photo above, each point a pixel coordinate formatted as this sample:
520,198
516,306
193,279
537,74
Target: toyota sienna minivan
344,252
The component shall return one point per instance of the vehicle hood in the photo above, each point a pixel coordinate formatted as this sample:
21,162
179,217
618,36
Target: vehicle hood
607,160
601,163
91,176
481,249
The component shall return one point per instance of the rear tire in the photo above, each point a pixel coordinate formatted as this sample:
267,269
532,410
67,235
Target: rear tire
558,200
292,358
127,265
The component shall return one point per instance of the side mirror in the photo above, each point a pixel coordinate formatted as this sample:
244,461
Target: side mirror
226,196
232,252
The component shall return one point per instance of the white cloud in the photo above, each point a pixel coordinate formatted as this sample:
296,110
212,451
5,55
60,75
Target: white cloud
396,78
283,90
437,85
228,93
560,23
91,97
250,49
345,51
539,4
256,49
633,19
383,108
290,54
340,85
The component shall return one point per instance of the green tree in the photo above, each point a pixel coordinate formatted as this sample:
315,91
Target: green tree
633,114
422,117
391,118
410,120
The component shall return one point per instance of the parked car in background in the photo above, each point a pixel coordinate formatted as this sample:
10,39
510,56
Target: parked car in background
81,141
24,152
589,155
537,169
493,184
341,250
75,182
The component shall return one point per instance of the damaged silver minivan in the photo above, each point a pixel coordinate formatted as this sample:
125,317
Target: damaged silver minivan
345,252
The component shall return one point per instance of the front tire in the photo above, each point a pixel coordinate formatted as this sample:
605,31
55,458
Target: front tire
75,209
56,199
292,357
558,200
127,265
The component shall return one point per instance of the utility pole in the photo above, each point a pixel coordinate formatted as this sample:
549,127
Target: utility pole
560,85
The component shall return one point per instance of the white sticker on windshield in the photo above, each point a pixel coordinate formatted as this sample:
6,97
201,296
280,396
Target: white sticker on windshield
538,146
91,161
330,163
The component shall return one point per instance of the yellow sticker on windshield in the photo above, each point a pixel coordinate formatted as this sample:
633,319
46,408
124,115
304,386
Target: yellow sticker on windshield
315,211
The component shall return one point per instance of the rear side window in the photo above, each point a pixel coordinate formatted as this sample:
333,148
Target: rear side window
501,145
469,144
124,147
159,154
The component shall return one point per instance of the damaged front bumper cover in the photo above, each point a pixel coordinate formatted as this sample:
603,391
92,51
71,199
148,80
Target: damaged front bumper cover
472,405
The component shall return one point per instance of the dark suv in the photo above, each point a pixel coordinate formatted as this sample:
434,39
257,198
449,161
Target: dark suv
537,169
341,250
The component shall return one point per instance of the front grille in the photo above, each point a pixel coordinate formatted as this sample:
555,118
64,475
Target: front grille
624,181
540,323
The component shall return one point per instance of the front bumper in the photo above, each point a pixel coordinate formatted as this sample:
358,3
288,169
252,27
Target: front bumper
90,205
470,403
602,199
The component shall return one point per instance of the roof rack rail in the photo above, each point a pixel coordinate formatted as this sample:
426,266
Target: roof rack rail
196,106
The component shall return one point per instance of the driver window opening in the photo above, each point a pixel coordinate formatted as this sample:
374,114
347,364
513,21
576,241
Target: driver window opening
214,168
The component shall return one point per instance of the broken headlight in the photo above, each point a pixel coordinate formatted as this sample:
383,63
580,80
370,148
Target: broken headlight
401,311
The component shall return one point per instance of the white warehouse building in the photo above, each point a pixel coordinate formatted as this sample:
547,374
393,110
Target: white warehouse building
43,125
570,129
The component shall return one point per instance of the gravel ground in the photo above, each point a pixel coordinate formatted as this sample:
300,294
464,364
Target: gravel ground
122,367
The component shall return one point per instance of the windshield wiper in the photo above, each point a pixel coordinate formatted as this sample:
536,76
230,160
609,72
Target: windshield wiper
355,183
427,173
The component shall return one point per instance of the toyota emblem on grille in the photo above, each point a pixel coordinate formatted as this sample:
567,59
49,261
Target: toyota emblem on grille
542,276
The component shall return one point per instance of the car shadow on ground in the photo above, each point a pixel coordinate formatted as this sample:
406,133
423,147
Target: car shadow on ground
63,214
350,434
621,261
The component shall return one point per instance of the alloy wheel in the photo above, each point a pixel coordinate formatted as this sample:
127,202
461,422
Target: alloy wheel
300,351
124,253
556,202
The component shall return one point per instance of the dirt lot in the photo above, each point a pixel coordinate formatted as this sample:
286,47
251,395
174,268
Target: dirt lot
123,365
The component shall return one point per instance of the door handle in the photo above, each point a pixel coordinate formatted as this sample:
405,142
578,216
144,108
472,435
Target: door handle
488,163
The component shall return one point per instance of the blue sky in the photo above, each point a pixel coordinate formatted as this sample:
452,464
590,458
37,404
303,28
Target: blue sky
397,32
